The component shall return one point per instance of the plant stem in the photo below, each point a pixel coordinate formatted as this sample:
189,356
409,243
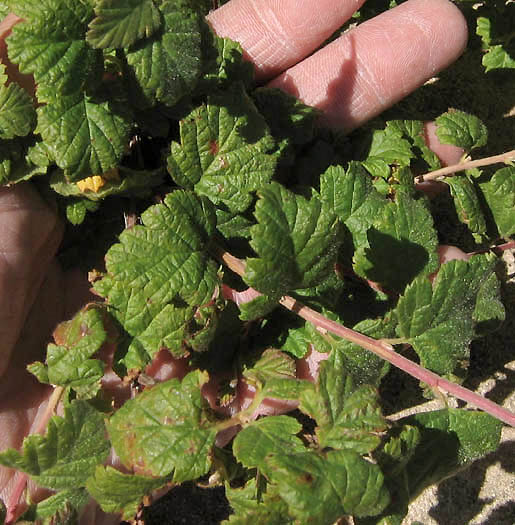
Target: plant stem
382,349
440,174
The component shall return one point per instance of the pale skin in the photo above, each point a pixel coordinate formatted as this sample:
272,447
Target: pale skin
352,80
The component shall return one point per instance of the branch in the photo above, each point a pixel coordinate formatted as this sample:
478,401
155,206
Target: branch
382,349
440,174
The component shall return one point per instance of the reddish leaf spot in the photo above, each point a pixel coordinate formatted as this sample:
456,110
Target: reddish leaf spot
306,478
213,147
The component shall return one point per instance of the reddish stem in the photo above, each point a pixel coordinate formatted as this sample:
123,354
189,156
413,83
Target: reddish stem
382,349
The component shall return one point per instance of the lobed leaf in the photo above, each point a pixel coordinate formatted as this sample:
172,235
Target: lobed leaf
437,319
159,273
499,193
165,430
120,24
67,455
347,417
296,239
225,151
122,493
343,482
51,45
68,363
86,136
401,245
461,129
167,66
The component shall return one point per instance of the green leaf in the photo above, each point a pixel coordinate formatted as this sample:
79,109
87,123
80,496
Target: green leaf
497,38
167,65
68,362
68,454
274,375
86,136
468,206
402,245
437,319
17,113
499,193
51,45
67,501
121,23
296,239
461,129
364,366
225,151
320,489
450,439
119,181
165,429
489,312
117,492
269,435
76,209
347,418
223,63
160,272
289,119
388,147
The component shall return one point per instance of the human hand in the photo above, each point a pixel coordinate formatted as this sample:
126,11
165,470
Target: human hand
351,80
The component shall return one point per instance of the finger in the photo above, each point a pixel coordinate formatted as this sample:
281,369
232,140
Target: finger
275,34
29,236
371,67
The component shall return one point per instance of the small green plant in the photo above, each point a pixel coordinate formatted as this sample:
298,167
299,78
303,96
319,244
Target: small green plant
258,240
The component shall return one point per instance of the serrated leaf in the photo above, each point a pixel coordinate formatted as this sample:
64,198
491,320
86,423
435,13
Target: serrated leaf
450,439
120,23
289,119
165,429
402,245
86,136
260,306
157,266
437,318
495,33
68,362
387,147
274,375
461,129
468,206
342,481
269,435
17,113
68,454
167,65
347,417
353,198
225,151
71,500
223,63
296,239
248,511
499,193
51,45
415,132
122,493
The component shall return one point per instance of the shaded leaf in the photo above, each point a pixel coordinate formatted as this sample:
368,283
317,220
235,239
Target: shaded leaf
121,23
